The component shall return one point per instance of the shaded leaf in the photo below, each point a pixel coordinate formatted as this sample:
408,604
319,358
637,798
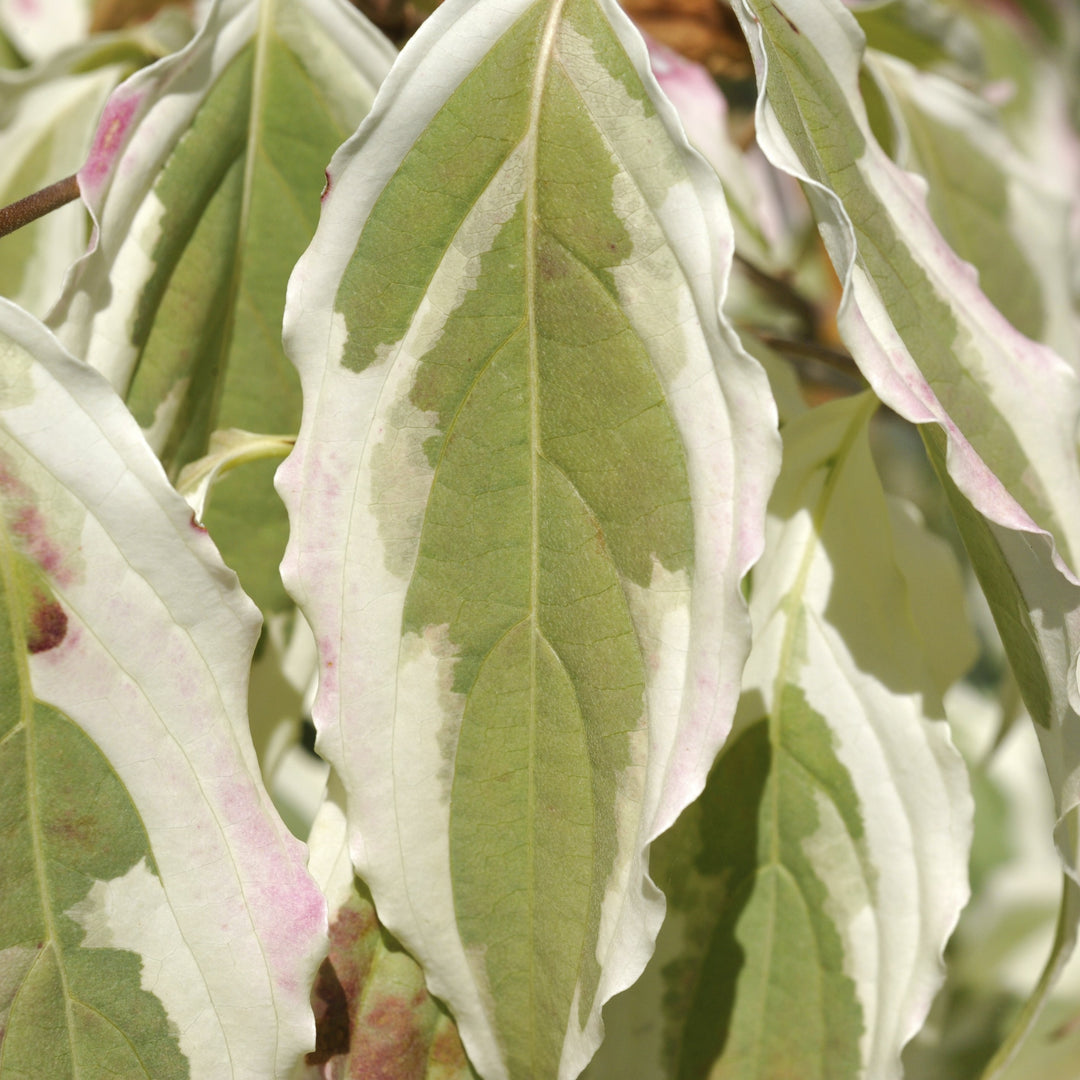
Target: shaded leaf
999,412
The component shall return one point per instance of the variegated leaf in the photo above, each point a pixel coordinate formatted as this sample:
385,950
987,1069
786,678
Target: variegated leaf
49,115
156,918
1002,213
1000,412
204,182
815,883
531,471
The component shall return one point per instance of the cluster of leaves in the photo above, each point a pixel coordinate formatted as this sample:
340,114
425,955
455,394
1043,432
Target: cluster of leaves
645,428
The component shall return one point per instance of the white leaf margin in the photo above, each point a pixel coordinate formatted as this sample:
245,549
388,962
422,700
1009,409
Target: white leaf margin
1021,369
1039,201
154,668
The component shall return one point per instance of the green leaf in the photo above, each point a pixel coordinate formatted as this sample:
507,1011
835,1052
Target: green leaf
129,920
204,182
530,474
998,411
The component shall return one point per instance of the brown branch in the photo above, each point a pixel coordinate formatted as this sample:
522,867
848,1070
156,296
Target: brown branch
833,357
782,291
38,205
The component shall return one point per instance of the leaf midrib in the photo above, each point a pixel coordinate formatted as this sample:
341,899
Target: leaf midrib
26,707
531,227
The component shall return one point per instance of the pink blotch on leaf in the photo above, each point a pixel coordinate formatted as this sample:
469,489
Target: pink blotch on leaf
29,527
388,1043
326,186
328,676
108,140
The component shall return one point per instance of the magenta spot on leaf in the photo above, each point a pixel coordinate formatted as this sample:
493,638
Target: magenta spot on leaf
326,186
30,528
108,140
48,625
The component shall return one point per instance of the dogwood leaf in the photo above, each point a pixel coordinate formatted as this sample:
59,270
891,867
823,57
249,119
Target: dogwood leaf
843,877
204,181
999,412
140,935
1001,212
531,471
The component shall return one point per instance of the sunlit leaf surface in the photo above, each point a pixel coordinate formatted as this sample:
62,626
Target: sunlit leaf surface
49,114
999,412
531,471
813,886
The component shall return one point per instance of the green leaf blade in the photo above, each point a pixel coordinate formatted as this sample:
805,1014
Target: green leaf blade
814,885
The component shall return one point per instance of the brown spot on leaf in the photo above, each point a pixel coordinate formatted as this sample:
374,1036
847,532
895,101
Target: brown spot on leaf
549,264
73,830
388,1043
48,625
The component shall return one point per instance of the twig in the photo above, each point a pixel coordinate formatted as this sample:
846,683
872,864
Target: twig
38,205
782,291
833,357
